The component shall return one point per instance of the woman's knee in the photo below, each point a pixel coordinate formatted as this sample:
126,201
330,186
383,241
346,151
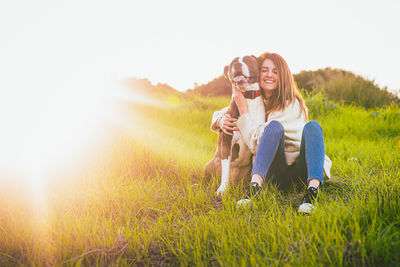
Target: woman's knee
274,127
312,126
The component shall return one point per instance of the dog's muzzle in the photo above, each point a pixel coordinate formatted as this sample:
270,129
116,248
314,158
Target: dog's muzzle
241,81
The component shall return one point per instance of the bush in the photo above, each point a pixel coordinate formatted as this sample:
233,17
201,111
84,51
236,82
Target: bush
357,91
345,87
219,86
318,105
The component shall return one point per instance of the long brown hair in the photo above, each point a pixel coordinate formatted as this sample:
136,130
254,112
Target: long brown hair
287,91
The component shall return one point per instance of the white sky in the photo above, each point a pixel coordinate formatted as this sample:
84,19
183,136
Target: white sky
46,43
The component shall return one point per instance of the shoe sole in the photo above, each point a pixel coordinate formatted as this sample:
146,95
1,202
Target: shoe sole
306,208
243,202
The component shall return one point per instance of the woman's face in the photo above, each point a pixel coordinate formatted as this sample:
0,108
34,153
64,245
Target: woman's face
268,77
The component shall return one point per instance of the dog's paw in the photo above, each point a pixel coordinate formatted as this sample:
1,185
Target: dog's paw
221,190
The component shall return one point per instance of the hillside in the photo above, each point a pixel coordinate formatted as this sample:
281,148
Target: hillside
219,86
345,87
145,86
145,202
337,85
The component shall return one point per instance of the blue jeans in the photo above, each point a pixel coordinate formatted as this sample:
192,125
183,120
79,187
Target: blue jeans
270,162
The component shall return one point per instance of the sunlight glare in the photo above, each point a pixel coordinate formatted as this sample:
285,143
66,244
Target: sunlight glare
51,126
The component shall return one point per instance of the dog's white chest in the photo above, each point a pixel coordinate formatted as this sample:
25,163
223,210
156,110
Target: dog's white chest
257,113
256,110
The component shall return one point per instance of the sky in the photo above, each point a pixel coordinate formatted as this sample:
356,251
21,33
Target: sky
46,44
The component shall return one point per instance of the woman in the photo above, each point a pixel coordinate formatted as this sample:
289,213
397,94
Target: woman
287,145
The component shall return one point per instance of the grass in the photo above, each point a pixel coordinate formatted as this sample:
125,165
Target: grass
144,202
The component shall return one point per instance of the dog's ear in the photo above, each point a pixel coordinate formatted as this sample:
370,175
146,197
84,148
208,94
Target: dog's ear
258,60
226,70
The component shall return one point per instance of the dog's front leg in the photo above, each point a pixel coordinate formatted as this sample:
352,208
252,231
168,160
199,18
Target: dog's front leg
226,153
226,165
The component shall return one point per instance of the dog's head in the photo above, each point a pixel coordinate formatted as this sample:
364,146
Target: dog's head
243,72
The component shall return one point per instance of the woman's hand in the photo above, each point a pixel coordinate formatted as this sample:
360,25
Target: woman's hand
228,124
240,101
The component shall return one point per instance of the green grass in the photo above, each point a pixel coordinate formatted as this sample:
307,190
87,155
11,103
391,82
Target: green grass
145,202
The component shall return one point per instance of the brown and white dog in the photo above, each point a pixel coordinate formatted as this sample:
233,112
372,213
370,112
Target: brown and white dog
243,74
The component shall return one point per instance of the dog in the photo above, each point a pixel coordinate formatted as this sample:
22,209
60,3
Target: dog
232,152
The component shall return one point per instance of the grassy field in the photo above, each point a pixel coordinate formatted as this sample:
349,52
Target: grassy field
143,201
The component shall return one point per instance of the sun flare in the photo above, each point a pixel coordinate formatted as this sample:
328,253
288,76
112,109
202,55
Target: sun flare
55,125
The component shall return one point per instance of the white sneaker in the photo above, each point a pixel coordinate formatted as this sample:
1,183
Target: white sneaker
306,208
253,191
309,198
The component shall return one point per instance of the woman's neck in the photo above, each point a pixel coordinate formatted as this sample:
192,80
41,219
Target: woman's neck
267,94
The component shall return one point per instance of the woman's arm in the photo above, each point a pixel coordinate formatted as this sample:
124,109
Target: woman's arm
221,121
245,123
217,116
240,100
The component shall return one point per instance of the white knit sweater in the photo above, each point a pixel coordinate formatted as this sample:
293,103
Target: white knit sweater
293,121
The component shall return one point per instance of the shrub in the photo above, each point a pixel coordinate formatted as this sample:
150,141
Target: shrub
318,105
219,86
345,87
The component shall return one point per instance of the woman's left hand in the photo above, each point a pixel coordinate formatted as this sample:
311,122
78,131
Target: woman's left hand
240,101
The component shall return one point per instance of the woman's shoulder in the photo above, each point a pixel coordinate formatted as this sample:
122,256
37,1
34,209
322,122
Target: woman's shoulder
294,104
295,107
292,112
292,107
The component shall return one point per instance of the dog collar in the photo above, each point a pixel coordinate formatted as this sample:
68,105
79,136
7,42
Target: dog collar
252,94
